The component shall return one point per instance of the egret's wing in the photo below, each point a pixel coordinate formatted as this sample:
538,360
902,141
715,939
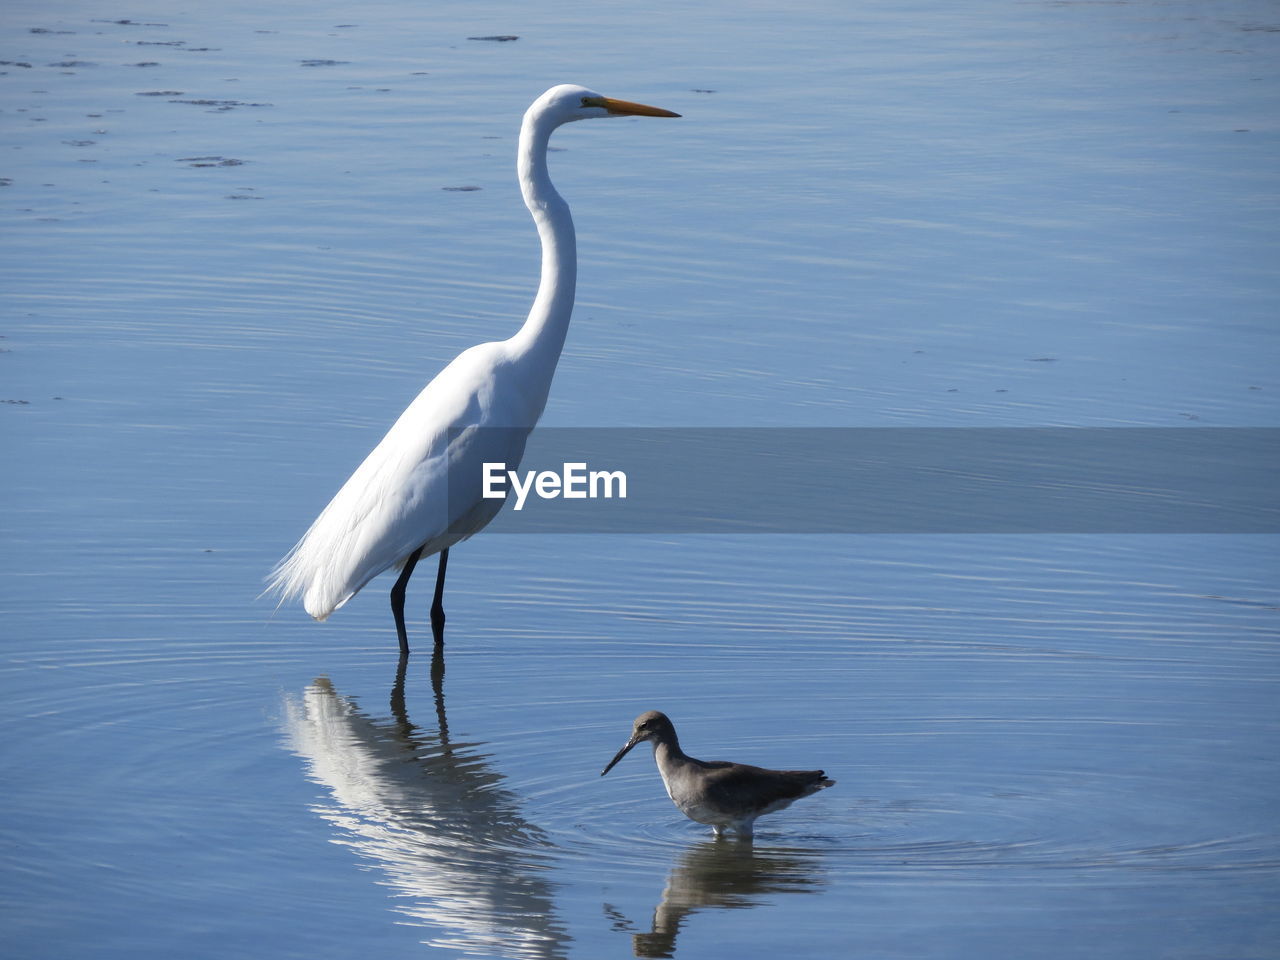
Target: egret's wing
419,487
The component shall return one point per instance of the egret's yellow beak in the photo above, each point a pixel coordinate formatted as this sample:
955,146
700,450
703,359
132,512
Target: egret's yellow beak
625,108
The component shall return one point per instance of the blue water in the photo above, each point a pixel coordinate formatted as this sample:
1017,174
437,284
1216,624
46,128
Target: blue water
235,248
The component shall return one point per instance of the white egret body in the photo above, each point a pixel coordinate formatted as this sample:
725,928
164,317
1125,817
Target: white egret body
418,492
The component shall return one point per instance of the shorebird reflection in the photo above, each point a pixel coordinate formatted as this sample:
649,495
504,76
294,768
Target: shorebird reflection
726,874
429,813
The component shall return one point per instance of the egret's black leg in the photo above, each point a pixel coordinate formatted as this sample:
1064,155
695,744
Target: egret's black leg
437,605
397,600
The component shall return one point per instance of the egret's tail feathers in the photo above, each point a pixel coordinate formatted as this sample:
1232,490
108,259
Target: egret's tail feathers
373,522
293,577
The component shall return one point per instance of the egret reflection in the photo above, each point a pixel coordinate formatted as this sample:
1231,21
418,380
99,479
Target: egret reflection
431,815
722,874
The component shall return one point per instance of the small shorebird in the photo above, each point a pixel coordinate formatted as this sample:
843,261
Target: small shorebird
722,794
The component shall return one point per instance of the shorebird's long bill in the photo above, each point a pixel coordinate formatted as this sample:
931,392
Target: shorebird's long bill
625,108
621,753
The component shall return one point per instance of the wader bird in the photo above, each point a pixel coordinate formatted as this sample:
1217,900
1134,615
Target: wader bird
724,795
419,492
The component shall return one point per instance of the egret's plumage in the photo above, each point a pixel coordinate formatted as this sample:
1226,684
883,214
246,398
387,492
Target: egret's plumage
419,491
397,499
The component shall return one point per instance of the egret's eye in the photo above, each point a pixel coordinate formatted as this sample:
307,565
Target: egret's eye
593,102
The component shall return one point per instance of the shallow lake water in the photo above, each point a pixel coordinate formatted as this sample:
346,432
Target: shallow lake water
239,240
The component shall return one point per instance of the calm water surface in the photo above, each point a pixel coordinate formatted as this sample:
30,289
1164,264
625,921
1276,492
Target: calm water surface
237,243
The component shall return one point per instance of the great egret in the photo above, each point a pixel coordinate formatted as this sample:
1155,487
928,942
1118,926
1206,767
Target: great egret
418,492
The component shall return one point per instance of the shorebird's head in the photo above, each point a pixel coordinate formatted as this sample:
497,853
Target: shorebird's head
653,726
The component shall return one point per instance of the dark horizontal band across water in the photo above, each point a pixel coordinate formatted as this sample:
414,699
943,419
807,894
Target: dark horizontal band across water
904,480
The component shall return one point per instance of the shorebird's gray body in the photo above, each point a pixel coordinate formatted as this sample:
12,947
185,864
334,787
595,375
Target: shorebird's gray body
723,795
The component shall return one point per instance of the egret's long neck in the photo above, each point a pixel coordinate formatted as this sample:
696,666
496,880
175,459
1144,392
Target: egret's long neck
541,338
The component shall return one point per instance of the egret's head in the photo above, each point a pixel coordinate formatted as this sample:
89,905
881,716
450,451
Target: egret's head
568,102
